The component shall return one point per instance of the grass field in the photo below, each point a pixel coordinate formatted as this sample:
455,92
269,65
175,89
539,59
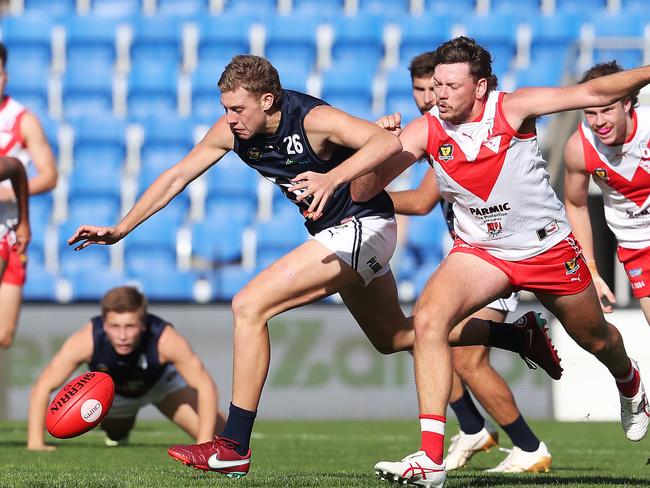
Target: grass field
318,454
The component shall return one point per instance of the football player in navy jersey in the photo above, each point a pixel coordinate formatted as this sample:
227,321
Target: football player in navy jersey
150,362
312,152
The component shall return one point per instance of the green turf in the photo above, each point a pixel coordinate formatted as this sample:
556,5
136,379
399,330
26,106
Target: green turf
318,454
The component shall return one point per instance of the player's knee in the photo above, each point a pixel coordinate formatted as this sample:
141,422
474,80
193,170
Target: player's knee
428,328
6,340
246,307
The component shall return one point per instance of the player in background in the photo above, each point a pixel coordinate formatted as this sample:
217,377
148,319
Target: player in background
612,146
16,238
150,362
311,151
512,232
471,364
22,137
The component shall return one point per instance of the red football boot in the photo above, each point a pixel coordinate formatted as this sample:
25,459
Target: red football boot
537,348
216,455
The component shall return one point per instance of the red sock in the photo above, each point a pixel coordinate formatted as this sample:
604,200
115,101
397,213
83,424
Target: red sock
433,436
629,386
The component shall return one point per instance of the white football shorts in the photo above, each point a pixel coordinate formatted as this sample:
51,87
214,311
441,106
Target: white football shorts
366,244
126,407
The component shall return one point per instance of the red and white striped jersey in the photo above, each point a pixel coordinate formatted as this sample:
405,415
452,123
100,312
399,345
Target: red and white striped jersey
497,180
623,174
11,144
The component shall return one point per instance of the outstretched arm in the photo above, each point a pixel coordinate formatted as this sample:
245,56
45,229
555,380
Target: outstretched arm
528,103
76,350
170,183
13,169
576,187
419,201
173,348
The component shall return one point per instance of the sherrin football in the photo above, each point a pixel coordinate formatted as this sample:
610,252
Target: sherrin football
80,405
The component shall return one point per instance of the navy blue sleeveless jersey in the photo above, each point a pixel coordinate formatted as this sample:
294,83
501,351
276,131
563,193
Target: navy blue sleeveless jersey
135,373
282,156
448,213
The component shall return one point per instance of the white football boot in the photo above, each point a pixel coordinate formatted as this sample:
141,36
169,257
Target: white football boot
635,413
519,461
464,446
414,469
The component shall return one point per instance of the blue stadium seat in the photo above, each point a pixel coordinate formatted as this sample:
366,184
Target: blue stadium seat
231,178
539,75
359,40
92,210
93,259
166,141
497,34
183,8
261,8
153,89
156,40
167,284
579,6
418,36
617,25
323,9
115,8
139,259
157,232
28,83
206,104
552,36
291,39
94,185
347,87
90,42
626,58
522,9
230,279
99,141
219,240
51,8
422,275
27,39
238,209
292,76
425,236
386,8
222,37
88,91
41,284
92,286
454,10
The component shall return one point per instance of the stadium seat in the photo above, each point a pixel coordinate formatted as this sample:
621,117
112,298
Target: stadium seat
292,76
27,39
166,141
425,236
51,8
232,178
359,40
580,6
222,37
153,90
88,91
92,286
418,36
206,104
522,9
156,40
497,34
386,8
41,285
291,39
627,58
322,9
454,10
228,280
115,8
93,259
349,88
90,42
167,284
28,84
261,8
422,275
539,75
622,24
102,182
182,8
218,240
139,259
399,94
552,36
86,208
99,141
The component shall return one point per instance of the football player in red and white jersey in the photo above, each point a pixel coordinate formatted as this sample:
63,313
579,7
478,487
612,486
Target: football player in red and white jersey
22,137
612,146
512,232
17,238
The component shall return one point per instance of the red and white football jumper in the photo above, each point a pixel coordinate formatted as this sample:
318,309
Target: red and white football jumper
506,210
11,144
623,174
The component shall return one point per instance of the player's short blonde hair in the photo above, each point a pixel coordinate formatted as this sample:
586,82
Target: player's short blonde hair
252,73
124,299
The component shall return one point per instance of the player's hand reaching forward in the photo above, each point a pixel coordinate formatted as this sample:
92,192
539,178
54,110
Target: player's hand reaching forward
319,186
90,234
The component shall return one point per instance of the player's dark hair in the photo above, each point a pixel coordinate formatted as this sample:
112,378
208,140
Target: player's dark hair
423,65
124,299
465,50
252,73
3,55
604,69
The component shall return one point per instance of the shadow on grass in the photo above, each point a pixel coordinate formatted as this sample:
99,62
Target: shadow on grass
547,479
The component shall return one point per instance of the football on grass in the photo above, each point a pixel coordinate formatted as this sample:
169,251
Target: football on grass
80,405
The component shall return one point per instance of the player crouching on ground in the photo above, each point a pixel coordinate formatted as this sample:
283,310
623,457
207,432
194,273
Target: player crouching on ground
16,237
150,362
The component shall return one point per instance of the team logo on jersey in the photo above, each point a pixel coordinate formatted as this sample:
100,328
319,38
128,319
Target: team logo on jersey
635,272
494,228
254,153
572,267
601,173
446,152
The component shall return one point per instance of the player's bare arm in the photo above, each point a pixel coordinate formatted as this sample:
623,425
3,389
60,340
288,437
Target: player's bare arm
329,127
13,169
419,201
527,103
173,348
413,139
217,142
76,350
576,186
41,154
